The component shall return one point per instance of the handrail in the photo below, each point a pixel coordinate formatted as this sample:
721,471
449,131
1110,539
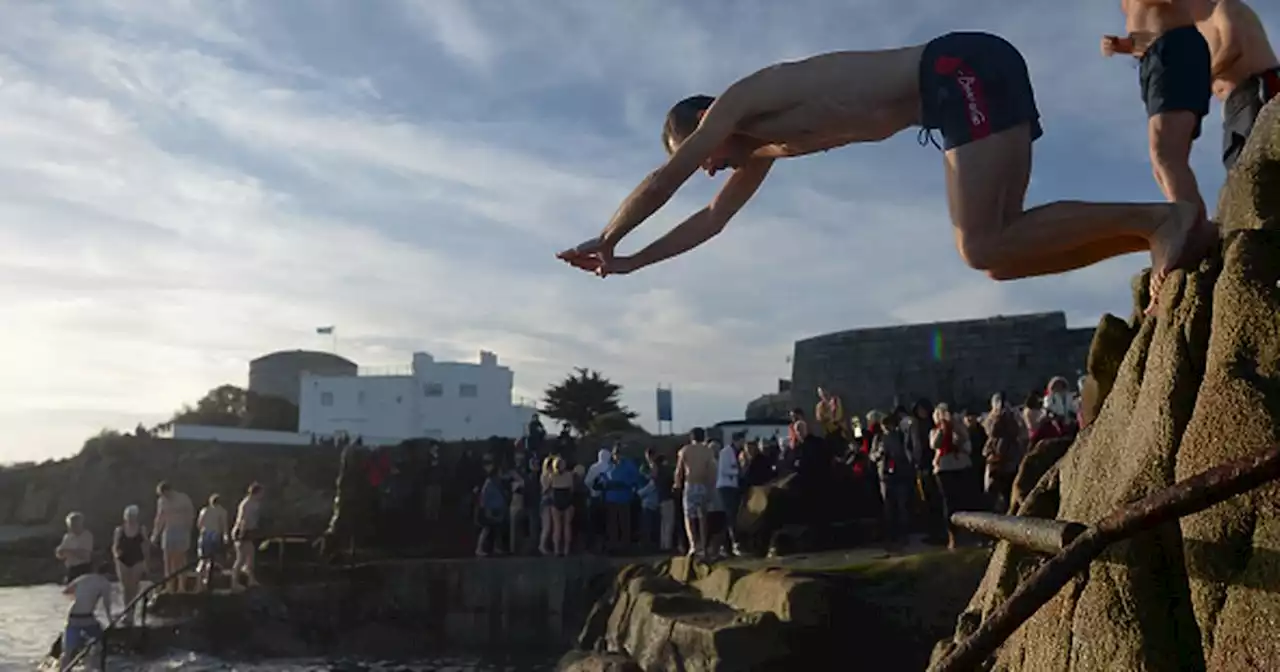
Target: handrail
115,621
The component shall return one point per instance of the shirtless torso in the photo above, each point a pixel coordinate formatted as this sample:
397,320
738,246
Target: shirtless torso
831,100
1237,41
1145,21
697,465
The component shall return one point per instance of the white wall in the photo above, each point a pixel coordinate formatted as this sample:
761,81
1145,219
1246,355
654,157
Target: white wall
357,405
443,400
239,435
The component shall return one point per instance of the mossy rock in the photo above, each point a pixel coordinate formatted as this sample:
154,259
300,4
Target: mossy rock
1198,386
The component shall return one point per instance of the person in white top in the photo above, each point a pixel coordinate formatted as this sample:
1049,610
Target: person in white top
86,592
76,548
728,489
214,532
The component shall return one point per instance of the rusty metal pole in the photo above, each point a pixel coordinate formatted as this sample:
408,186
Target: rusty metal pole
1184,498
1042,535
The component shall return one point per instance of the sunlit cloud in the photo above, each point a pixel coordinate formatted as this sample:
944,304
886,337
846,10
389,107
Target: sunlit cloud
189,184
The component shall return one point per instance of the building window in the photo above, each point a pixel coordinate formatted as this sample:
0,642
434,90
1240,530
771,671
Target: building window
432,390
326,398
468,390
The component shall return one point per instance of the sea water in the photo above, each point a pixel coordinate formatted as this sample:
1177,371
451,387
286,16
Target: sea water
30,618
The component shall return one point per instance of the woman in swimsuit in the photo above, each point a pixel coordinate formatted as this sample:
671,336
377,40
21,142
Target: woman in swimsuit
562,481
545,504
130,549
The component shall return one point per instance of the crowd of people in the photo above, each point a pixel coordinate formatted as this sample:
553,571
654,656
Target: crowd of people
175,527
910,467
923,463
545,503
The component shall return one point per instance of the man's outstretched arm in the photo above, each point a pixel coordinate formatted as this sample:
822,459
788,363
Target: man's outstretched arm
659,186
705,223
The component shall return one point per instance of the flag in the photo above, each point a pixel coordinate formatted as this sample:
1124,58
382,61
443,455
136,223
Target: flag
324,331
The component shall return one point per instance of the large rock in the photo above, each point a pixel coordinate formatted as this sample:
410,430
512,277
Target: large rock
1198,386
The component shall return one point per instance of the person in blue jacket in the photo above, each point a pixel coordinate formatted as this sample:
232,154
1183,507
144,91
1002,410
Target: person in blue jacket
622,481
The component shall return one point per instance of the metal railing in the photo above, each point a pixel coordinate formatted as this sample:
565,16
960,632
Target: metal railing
141,597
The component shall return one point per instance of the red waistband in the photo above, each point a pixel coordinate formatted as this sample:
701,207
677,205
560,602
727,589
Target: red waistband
1270,83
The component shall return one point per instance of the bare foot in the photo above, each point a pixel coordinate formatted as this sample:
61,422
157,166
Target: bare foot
1178,244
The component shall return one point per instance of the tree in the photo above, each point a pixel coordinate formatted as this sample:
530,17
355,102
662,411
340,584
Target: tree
616,421
231,406
95,443
581,397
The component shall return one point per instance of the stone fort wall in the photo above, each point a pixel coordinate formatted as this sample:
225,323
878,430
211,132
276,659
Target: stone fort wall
961,363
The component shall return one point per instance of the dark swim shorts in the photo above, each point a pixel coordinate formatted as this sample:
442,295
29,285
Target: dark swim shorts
1174,74
1242,108
973,85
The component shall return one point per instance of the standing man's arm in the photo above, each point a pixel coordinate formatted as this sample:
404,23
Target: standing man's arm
679,480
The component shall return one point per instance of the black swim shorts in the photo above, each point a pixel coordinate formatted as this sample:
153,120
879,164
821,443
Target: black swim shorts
973,85
1242,108
1174,74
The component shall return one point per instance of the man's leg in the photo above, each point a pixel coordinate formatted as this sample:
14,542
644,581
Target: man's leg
986,185
1169,136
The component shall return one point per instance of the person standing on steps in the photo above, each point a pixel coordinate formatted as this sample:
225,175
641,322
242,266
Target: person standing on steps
972,87
245,535
214,531
174,517
132,554
1244,67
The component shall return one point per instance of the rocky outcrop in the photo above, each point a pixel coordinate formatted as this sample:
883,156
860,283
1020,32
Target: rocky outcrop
1197,386
117,472
685,615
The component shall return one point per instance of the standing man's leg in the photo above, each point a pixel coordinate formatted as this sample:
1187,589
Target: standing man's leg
1176,87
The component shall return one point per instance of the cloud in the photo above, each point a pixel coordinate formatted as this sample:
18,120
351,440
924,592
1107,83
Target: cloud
189,184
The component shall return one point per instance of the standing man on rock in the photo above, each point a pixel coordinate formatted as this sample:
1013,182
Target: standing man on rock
1245,70
1174,76
696,476
972,87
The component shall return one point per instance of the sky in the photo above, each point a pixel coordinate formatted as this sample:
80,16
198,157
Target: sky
188,185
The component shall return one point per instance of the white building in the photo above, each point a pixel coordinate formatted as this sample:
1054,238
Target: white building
442,400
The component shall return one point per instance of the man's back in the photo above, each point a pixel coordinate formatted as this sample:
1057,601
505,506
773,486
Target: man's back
87,591
699,462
